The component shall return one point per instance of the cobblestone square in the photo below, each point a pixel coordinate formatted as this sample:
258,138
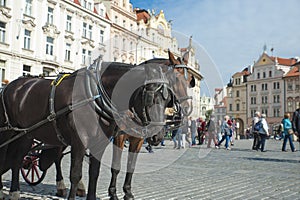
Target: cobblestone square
194,173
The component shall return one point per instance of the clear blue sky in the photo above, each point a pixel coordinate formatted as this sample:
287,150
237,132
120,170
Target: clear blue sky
230,34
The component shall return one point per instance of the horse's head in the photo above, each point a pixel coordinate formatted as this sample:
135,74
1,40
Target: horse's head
150,100
180,80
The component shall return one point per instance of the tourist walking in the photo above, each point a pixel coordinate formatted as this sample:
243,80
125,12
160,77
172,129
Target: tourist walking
192,125
263,133
287,132
255,133
211,130
226,132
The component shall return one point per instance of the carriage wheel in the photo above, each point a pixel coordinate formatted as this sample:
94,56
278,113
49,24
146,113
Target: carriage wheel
30,169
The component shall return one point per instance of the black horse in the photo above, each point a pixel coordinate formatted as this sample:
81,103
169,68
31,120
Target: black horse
179,83
79,111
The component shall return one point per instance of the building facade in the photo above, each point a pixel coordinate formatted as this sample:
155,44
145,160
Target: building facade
46,36
237,102
266,88
292,89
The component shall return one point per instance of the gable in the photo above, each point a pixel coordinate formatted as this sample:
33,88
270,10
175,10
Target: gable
264,60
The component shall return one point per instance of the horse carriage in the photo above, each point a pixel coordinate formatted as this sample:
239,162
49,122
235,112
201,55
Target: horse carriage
85,110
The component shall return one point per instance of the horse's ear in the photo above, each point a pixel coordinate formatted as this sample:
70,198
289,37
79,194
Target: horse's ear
185,57
172,59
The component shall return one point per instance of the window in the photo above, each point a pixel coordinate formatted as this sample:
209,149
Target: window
253,100
131,27
116,41
237,93
101,36
230,107
264,99
2,71
265,111
101,12
90,32
68,52
28,7
89,58
131,46
49,46
26,70
50,16
84,56
264,74
290,106
2,2
237,81
27,35
258,75
116,19
297,87
124,23
2,32
289,86
253,88
84,30
69,23
276,98
47,71
276,112
237,107
270,73
264,86
276,85
124,44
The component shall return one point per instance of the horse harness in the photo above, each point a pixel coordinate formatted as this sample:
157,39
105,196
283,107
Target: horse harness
101,101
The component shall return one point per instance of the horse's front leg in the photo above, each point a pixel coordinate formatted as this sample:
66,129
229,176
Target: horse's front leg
134,149
94,166
77,154
116,165
14,193
61,190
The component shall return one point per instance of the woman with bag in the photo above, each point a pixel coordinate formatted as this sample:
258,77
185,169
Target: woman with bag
287,132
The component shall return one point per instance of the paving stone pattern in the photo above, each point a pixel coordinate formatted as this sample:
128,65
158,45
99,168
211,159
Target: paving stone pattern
194,173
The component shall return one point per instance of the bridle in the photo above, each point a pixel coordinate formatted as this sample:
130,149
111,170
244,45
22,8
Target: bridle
151,89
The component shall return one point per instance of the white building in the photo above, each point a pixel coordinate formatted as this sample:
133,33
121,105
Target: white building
47,36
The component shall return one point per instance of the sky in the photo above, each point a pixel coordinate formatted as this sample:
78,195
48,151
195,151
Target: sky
230,35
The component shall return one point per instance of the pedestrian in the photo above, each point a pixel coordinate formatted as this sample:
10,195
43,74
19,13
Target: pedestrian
176,132
263,133
287,132
226,132
185,133
233,128
201,130
296,122
255,133
193,130
211,130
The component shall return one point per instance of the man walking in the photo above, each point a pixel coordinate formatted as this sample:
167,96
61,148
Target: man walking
296,122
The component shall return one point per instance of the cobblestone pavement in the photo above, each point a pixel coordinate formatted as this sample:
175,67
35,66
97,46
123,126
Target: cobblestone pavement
194,173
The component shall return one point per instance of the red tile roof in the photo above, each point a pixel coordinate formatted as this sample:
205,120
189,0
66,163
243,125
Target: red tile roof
284,61
293,72
77,2
142,15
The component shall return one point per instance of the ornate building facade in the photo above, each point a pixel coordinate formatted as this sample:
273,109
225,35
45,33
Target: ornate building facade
46,36
266,88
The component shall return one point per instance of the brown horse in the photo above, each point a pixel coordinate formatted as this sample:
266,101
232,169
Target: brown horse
78,111
179,84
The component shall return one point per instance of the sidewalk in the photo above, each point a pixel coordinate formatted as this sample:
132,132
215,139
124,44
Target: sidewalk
195,173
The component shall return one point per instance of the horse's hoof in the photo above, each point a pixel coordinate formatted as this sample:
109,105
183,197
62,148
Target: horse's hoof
14,195
80,193
128,197
61,193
